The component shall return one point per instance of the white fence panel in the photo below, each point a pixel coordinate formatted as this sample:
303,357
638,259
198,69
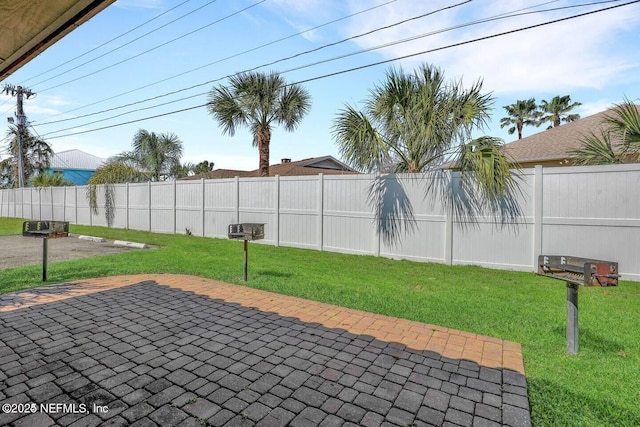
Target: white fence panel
70,204
299,208
412,224
348,218
220,208
162,207
84,215
490,241
59,202
100,217
139,204
189,196
120,211
257,204
594,212
46,202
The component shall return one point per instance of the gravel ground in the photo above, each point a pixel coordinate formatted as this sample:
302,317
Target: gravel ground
17,251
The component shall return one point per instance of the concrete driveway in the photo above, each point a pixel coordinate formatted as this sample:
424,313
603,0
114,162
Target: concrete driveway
173,350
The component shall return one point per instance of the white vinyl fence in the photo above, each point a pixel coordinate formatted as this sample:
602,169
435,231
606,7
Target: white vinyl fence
591,212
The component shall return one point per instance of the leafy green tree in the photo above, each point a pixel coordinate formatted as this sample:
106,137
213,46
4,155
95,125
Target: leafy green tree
46,179
422,120
157,154
558,110
522,113
258,101
623,131
36,155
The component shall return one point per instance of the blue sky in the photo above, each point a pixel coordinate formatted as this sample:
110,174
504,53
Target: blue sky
594,58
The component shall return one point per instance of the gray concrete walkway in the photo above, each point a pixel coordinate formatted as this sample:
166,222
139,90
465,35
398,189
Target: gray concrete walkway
178,350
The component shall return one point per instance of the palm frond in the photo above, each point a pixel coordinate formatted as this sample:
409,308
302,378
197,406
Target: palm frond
482,162
114,172
595,150
625,123
359,143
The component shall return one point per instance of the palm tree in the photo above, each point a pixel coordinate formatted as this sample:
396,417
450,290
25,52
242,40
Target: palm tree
258,101
557,111
36,155
156,154
423,121
520,114
154,157
623,127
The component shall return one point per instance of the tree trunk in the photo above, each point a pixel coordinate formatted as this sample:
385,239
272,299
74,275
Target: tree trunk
520,126
264,138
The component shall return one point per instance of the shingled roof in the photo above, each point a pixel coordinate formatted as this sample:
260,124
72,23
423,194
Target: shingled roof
552,147
327,165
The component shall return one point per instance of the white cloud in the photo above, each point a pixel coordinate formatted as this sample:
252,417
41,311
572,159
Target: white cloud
40,107
554,58
303,15
594,107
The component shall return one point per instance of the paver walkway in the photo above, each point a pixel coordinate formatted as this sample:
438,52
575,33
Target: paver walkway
181,350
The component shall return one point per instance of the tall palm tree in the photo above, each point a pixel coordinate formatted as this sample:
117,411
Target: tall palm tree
157,154
522,113
258,101
557,111
36,156
423,120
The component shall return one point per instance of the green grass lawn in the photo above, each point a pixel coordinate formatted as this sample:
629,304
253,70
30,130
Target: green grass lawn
598,387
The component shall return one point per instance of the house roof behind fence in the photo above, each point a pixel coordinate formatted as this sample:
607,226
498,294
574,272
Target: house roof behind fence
75,159
327,165
557,143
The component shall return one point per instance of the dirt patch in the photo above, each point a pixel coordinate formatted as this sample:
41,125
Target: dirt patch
17,251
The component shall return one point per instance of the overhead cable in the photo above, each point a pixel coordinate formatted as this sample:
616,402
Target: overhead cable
413,38
153,48
475,40
107,42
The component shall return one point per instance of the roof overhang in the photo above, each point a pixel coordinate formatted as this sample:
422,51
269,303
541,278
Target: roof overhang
28,27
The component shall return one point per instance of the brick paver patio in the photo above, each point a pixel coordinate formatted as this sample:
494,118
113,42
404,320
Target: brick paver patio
181,350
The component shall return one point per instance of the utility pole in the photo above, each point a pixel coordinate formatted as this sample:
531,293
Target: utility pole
19,92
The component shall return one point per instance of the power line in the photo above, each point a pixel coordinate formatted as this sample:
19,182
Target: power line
154,48
512,14
375,63
109,41
467,42
254,68
207,65
267,64
132,121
